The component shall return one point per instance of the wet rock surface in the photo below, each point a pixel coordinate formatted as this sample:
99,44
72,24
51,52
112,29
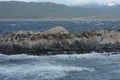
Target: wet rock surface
59,41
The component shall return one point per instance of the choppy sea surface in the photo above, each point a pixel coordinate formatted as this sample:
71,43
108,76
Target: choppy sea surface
92,66
89,66
75,26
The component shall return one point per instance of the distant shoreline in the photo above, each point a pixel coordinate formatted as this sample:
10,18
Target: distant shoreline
59,19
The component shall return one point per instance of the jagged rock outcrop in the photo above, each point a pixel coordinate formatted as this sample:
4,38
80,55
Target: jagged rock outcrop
59,41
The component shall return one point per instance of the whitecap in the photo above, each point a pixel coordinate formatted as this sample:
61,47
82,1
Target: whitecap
42,70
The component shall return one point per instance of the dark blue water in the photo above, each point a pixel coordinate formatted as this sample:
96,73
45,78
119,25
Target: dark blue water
75,26
90,66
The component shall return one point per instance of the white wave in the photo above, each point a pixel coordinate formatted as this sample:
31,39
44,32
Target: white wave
12,25
43,72
59,56
89,55
64,68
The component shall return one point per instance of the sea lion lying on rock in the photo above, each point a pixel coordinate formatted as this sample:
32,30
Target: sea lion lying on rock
58,40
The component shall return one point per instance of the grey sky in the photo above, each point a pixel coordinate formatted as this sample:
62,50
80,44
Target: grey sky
75,2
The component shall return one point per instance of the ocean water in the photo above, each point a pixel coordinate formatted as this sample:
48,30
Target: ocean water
92,66
74,26
89,66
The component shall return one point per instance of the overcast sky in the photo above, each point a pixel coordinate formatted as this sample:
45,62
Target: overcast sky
75,2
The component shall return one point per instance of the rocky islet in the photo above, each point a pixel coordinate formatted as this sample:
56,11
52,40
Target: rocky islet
58,40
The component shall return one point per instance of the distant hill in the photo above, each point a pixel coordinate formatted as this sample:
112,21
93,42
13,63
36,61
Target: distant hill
43,10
